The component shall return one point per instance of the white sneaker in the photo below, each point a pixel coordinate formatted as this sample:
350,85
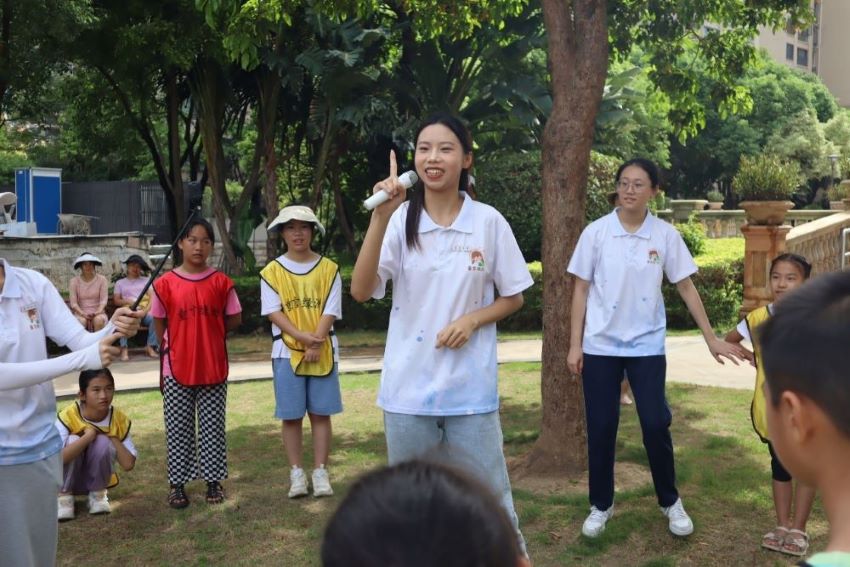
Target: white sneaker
98,502
680,522
66,507
297,482
321,482
595,522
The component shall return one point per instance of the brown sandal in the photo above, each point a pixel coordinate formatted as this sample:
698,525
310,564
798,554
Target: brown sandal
215,492
177,498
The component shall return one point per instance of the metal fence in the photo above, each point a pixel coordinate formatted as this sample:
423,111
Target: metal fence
120,206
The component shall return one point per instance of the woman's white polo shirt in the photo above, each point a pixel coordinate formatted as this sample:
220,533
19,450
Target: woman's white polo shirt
625,309
455,270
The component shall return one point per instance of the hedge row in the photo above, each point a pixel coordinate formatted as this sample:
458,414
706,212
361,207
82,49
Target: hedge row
718,281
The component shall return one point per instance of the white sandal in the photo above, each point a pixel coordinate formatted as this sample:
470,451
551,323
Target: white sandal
796,543
775,539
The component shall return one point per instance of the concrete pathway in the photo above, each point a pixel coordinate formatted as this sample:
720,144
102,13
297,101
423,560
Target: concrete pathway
688,361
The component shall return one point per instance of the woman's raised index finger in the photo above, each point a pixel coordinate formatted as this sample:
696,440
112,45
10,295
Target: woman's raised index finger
393,165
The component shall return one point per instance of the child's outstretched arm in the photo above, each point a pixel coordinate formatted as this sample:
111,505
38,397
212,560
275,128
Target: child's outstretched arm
718,348
75,449
734,336
125,458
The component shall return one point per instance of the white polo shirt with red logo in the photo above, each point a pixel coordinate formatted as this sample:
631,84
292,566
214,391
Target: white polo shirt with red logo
454,271
625,309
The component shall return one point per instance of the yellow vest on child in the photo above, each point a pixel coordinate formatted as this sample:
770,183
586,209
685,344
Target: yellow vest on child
758,408
119,426
303,298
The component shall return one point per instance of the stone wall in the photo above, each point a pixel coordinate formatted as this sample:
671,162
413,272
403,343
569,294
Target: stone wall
820,241
54,255
727,224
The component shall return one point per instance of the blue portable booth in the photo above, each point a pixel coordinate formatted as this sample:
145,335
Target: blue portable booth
39,192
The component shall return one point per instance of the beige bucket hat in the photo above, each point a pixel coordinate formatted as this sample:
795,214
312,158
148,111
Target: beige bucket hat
296,212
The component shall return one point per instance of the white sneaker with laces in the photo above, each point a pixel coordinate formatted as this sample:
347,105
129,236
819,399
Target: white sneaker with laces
321,482
680,522
297,482
66,507
98,502
594,524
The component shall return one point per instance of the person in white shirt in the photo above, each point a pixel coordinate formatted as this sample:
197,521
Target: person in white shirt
447,256
30,464
618,325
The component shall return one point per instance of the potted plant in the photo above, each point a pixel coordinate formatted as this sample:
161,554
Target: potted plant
764,184
715,200
838,195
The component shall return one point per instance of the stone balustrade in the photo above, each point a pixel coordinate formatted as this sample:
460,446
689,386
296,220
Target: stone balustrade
819,241
728,223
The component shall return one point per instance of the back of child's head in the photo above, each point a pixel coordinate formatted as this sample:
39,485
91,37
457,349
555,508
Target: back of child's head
419,514
86,376
202,222
802,264
805,346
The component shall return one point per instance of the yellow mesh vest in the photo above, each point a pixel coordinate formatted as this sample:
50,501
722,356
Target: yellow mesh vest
119,426
757,409
303,298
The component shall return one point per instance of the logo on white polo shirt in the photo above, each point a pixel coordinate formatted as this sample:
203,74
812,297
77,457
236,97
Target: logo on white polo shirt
476,261
654,257
32,314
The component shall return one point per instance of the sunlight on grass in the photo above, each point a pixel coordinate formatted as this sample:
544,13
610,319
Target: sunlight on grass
723,472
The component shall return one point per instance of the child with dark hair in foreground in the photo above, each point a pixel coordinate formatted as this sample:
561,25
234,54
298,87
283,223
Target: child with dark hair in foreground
95,435
807,386
420,514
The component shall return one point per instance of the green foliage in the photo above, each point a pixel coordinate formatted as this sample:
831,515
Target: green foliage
801,139
511,183
693,233
839,191
12,156
765,178
719,282
714,196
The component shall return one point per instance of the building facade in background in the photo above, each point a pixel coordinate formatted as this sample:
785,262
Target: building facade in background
822,49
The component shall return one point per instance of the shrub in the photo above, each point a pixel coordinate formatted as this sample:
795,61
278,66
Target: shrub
765,178
719,282
714,196
511,183
693,233
839,191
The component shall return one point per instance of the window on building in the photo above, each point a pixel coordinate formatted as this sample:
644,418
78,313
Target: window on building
789,51
803,35
802,57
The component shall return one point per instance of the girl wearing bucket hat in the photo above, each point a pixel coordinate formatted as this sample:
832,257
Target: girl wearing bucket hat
301,294
125,293
88,293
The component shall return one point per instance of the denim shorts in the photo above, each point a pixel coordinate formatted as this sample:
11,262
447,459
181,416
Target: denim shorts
295,395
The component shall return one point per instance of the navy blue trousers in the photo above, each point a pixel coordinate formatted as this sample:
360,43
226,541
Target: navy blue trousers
602,376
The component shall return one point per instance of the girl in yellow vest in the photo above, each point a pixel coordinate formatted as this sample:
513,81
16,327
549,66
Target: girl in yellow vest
787,271
301,294
95,436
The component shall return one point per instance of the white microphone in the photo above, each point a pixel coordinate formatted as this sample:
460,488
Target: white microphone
406,179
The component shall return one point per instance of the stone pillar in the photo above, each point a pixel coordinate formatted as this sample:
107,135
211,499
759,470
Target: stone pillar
761,245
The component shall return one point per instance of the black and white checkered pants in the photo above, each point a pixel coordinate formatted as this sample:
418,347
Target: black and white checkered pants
195,452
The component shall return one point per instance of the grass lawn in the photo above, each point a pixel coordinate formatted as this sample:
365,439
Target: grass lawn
723,475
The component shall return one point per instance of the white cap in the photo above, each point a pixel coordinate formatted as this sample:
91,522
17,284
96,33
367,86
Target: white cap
296,212
87,257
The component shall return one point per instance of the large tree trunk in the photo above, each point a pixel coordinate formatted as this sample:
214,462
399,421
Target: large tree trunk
578,62
269,97
209,88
